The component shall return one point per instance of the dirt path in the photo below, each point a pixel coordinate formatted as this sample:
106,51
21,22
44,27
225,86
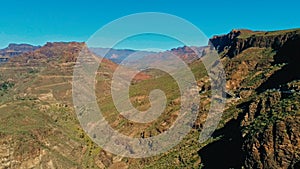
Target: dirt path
52,85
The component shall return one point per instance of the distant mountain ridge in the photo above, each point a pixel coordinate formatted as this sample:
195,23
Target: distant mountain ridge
188,54
16,49
132,57
118,55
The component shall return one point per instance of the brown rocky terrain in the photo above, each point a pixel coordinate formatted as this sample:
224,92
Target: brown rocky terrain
271,131
39,128
259,127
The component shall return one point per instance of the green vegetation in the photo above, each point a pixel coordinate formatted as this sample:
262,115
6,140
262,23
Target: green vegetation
248,34
287,107
6,85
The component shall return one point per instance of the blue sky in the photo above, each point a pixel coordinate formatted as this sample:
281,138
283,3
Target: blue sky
37,22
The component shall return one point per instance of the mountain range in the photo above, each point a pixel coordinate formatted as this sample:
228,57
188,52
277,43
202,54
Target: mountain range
259,126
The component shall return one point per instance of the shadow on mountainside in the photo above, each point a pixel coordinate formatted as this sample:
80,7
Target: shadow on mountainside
226,152
289,54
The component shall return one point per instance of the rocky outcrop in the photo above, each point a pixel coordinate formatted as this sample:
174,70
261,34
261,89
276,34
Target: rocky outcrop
276,147
238,40
271,132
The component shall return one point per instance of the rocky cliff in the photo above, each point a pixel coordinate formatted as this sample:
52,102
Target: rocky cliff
238,40
263,130
271,131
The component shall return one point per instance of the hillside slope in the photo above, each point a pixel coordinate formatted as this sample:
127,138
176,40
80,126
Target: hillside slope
262,128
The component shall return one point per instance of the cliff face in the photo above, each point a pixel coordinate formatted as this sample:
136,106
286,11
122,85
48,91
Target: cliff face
271,132
262,127
237,41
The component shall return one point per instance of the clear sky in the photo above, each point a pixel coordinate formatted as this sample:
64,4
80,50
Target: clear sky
37,22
